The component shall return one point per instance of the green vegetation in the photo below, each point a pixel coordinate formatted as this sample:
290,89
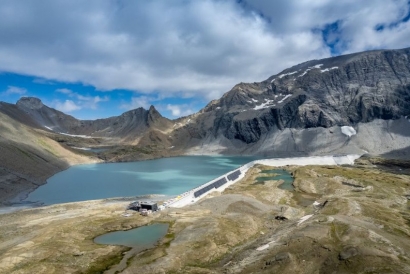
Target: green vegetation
103,263
47,147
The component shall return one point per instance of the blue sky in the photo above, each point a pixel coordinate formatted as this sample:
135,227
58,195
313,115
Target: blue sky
99,58
87,103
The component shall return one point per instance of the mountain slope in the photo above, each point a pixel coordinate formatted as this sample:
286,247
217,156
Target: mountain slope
37,141
131,124
322,95
28,157
357,103
298,111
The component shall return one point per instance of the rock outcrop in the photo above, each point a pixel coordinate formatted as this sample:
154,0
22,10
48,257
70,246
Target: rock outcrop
344,90
320,94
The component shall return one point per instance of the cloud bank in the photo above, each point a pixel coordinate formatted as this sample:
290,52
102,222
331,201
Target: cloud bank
186,48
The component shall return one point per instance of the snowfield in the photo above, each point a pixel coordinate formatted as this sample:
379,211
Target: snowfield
348,131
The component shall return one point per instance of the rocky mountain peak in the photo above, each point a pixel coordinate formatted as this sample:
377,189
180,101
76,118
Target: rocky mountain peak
155,119
338,91
29,103
153,113
138,112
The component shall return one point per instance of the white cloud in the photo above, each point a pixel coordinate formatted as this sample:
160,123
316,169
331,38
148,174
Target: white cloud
137,102
87,102
15,90
91,101
64,91
188,48
66,106
358,21
180,110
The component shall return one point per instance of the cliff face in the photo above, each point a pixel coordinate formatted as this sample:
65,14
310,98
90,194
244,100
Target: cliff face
299,111
339,91
290,112
344,90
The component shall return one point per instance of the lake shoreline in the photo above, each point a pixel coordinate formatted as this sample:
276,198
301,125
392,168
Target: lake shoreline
164,176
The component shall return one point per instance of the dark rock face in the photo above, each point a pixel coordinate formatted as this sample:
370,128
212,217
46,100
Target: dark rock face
340,91
45,116
30,103
318,94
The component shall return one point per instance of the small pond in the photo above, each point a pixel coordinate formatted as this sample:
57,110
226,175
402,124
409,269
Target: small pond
277,174
145,236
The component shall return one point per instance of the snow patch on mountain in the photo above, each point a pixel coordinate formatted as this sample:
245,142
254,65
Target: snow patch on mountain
73,135
287,74
310,68
348,131
268,103
284,98
328,69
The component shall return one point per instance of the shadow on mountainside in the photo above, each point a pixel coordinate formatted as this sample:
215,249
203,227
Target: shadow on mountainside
403,154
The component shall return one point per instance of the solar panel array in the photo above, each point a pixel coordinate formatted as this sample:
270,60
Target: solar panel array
234,175
203,190
231,177
207,188
220,182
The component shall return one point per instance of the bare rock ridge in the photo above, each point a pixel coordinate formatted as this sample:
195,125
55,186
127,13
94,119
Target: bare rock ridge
344,90
300,111
130,124
338,91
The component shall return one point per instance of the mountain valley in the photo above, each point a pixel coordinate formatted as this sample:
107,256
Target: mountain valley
300,111
334,219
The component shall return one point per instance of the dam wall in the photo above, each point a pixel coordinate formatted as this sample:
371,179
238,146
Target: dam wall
224,181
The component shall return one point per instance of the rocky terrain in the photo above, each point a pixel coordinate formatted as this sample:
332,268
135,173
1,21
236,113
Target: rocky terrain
337,219
357,103
302,109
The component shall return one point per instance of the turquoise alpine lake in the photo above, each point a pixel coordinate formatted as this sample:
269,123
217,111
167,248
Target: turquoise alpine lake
165,176
145,236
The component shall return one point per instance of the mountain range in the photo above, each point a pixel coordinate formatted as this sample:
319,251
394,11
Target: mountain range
357,103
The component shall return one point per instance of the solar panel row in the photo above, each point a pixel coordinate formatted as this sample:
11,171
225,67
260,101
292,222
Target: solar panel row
231,177
203,190
207,188
234,175
220,182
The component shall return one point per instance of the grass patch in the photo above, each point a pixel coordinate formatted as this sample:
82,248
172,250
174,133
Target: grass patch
337,230
47,147
105,262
